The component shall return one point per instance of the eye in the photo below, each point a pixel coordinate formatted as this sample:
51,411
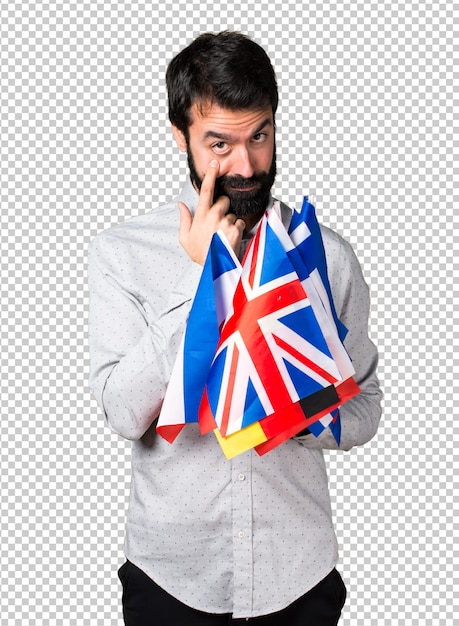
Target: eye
220,147
259,137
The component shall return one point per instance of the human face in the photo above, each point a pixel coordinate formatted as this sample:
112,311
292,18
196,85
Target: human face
244,144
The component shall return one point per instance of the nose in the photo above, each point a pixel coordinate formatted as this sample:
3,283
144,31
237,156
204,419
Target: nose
242,163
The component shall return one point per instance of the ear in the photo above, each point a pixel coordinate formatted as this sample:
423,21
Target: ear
179,139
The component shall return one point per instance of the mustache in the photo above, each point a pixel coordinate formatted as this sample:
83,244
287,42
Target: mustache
231,186
240,182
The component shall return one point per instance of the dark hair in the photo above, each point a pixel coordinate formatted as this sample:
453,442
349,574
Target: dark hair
227,69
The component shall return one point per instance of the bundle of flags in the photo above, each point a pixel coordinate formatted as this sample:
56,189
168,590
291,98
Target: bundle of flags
262,358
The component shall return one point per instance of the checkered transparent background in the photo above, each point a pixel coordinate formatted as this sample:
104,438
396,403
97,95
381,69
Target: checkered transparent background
367,127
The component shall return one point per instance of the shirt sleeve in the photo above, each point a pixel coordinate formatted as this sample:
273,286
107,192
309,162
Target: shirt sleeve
132,351
360,416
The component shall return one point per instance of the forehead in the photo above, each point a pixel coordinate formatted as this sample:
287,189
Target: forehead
213,118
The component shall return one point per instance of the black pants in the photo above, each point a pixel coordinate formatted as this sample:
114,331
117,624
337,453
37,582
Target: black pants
146,604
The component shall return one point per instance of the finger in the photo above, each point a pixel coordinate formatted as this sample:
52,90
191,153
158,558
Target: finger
206,194
235,220
185,219
222,205
240,224
233,227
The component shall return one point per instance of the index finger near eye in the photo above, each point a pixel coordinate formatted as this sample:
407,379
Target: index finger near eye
208,185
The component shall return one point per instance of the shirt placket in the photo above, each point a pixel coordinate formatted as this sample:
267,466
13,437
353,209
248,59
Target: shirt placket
242,534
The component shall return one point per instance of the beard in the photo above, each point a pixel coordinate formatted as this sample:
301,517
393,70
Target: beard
242,203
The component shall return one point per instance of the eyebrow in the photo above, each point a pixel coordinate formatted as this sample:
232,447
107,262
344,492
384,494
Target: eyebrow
224,137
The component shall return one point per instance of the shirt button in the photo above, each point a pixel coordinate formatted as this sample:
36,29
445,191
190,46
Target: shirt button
241,476
241,534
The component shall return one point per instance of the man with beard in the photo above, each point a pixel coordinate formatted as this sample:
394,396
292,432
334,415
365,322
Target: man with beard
211,541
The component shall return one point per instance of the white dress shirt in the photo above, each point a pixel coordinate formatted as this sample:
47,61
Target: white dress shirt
247,536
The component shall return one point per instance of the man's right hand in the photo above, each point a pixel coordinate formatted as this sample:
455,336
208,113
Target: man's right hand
196,232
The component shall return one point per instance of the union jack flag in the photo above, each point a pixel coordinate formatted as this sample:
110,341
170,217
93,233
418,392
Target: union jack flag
266,360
